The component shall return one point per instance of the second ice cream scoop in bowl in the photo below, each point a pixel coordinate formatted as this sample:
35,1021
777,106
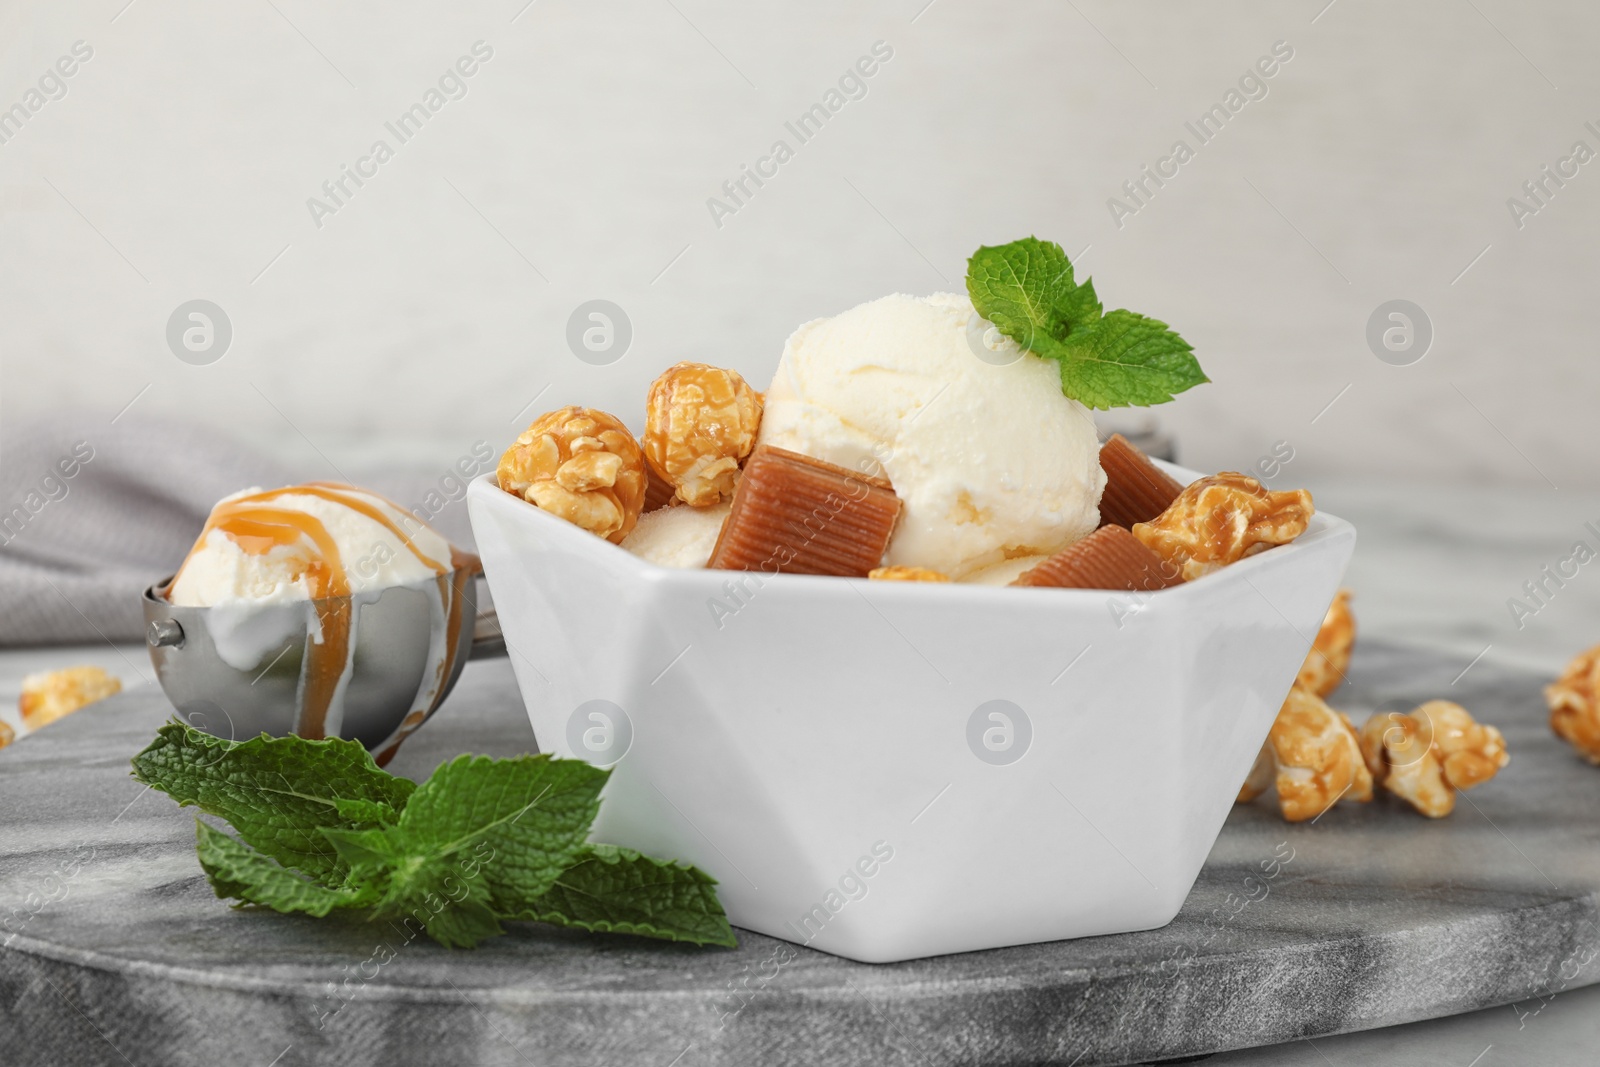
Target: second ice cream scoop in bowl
319,610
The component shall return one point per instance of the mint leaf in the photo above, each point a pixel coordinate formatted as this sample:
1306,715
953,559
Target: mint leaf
278,792
522,820
618,891
238,871
1126,359
1026,288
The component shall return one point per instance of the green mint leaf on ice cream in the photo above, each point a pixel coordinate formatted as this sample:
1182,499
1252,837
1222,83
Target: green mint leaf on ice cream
1106,359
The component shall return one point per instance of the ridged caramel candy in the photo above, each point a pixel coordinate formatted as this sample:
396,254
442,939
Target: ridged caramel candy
658,492
798,515
1136,489
1109,558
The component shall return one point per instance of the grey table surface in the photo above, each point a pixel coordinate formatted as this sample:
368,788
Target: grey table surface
1493,906
1373,917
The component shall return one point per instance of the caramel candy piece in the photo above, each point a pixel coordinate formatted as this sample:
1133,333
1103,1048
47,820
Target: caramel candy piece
1109,558
1136,489
798,515
658,492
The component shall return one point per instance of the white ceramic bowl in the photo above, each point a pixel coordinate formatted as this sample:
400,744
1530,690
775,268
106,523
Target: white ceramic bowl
888,770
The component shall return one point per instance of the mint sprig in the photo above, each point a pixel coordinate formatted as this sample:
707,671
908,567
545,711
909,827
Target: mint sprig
1106,359
483,841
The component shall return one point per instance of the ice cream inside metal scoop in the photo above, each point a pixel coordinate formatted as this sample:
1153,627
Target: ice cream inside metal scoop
320,610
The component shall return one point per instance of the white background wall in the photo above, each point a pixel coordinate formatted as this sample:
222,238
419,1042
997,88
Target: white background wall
431,309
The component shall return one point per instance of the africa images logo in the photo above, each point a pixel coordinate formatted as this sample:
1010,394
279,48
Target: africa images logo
452,85
852,85
51,86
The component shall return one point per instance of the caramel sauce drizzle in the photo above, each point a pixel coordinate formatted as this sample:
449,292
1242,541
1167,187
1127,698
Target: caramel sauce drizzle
452,593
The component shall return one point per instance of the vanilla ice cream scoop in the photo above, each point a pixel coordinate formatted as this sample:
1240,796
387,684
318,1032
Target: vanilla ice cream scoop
991,460
306,542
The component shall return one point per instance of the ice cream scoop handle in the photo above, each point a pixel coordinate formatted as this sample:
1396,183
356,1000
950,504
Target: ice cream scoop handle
487,640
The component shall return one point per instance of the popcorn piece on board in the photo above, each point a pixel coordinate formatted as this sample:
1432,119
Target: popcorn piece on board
1221,519
1313,758
798,515
7,734
906,574
700,422
582,465
1329,659
48,696
1136,489
1109,558
1574,701
1425,756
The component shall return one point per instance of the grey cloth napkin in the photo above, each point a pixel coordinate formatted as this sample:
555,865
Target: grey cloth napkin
92,512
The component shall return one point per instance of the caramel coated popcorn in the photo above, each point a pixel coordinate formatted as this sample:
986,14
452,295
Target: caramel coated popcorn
7,734
48,696
1313,758
1318,757
582,465
1574,707
907,574
1425,756
1329,659
700,423
1222,519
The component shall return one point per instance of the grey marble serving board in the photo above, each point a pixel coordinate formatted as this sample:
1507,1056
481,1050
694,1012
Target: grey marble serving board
115,950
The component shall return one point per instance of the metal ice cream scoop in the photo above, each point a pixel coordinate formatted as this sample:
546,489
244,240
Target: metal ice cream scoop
370,666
